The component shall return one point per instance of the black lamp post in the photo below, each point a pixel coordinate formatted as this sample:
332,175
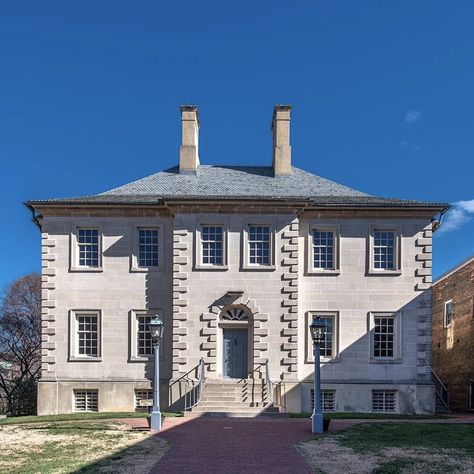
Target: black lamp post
156,329
318,334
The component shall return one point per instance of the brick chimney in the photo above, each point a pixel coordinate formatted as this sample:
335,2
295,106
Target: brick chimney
281,140
188,150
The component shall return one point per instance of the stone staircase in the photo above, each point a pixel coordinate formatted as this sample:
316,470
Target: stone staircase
234,398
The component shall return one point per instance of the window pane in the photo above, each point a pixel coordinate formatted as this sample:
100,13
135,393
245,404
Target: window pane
147,247
88,335
323,249
384,336
384,250
212,238
88,247
259,245
326,347
144,341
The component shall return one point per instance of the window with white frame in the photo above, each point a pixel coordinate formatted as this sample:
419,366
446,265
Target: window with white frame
148,247
86,400
385,336
324,249
384,250
212,245
141,343
329,345
143,400
85,334
144,341
448,312
384,401
259,245
88,247
328,400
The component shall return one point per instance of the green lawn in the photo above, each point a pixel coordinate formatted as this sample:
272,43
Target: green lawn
368,416
17,420
78,446
389,448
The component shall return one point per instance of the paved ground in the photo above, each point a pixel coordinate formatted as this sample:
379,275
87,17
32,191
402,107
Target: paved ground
245,445
233,445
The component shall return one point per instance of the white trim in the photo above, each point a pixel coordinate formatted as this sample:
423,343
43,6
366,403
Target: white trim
198,265
397,270
245,246
397,340
309,350
134,267
74,248
74,355
310,270
445,324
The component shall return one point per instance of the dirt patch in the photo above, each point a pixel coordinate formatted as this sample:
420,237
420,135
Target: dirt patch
86,447
328,456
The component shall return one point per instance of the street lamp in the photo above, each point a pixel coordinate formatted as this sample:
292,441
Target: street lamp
318,334
156,330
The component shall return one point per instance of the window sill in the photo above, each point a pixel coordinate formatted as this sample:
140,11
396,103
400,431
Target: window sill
321,272
212,268
385,361
325,360
84,359
86,269
384,272
146,269
140,359
259,268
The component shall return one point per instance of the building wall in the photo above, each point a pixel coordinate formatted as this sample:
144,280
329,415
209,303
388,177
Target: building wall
453,346
279,300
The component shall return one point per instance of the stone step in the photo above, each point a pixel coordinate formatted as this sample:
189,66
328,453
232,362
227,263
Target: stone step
221,404
233,414
227,398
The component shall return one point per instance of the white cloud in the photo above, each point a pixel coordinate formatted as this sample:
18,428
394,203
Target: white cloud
412,116
458,215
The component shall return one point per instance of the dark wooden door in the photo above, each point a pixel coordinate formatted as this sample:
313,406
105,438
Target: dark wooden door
235,353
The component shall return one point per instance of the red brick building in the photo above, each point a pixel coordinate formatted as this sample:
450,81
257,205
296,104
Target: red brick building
453,333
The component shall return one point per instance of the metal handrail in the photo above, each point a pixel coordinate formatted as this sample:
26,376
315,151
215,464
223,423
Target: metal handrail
194,388
442,393
268,381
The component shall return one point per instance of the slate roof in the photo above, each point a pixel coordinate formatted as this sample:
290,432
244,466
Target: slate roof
236,183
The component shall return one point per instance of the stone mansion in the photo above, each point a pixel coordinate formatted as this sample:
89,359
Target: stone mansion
237,260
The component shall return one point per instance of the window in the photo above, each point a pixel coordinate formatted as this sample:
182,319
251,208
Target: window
85,335
448,312
143,400
384,401
259,245
385,337
144,342
141,344
329,347
471,394
212,240
384,251
147,247
88,335
86,400
328,400
323,250
88,247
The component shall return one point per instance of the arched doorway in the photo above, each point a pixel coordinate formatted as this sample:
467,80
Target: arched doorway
236,338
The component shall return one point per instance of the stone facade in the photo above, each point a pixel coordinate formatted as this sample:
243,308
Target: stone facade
453,344
279,300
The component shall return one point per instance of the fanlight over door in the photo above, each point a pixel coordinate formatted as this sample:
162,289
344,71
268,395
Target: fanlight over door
234,314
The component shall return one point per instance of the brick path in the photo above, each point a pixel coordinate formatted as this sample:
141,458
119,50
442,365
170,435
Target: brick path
233,445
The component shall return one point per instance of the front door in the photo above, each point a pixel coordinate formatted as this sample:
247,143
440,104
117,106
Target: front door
235,353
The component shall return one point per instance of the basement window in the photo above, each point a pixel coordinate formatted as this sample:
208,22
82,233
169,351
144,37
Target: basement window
384,401
328,400
143,400
86,400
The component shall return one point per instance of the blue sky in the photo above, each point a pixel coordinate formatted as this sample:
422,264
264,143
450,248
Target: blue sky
382,96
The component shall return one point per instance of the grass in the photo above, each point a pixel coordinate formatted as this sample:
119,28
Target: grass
78,446
369,416
372,437
18,420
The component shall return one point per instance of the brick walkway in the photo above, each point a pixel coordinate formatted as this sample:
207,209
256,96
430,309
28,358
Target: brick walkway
233,445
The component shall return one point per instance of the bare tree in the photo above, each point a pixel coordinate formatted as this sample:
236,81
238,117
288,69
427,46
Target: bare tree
20,345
